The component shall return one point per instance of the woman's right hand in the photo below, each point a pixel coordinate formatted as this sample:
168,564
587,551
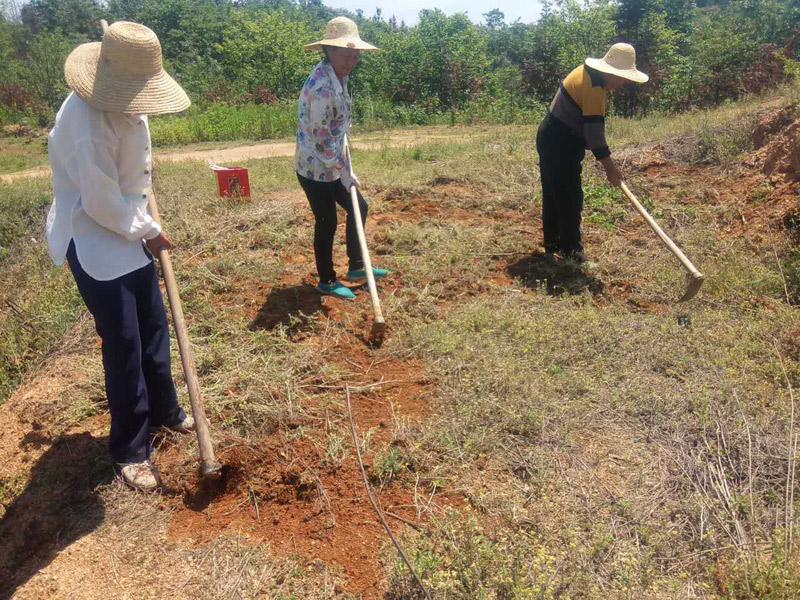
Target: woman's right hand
158,243
613,174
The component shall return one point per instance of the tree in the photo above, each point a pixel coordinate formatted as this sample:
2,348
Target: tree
44,67
495,18
266,49
72,17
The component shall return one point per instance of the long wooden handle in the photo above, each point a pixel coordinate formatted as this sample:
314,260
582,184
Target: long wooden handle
664,237
207,457
362,240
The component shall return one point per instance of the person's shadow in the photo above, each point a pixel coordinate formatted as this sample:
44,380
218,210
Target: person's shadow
555,277
292,307
58,506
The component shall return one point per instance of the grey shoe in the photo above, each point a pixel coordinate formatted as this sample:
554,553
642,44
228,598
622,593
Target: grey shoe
141,476
185,426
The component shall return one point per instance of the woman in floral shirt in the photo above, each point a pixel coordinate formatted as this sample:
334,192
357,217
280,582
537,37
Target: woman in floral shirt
322,164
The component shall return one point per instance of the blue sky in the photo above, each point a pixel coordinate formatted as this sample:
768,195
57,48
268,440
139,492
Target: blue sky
407,10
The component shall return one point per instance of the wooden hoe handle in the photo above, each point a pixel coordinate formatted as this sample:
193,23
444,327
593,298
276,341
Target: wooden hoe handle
664,237
362,240
209,466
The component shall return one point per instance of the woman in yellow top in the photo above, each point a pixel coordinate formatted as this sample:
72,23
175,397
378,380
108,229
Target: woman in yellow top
575,122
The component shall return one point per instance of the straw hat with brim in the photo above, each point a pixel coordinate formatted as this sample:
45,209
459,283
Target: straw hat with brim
124,73
342,33
619,60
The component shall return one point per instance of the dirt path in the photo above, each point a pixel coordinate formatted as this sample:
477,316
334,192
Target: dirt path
397,139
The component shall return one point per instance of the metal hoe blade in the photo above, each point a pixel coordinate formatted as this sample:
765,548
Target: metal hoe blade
211,470
695,283
377,333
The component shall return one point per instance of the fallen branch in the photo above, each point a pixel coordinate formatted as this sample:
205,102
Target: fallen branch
412,524
372,500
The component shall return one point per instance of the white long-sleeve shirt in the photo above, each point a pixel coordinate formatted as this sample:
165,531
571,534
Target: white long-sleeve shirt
101,164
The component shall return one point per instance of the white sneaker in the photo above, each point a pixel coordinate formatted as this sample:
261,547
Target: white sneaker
141,476
185,426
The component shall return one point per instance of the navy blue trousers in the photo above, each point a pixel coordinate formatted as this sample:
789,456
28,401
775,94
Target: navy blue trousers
131,321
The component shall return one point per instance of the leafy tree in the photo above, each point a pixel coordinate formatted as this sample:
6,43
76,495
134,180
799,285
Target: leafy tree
44,66
495,18
563,39
266,49
70,16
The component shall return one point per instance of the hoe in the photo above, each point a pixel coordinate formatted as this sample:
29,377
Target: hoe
695,277
378,324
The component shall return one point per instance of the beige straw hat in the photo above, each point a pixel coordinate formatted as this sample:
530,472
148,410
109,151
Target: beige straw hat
342,33
619,60
124,73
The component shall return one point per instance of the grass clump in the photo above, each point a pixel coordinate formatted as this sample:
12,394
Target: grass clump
458,558
560,386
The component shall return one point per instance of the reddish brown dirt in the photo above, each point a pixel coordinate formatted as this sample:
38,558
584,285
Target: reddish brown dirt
287,493
757,202
307,506
777,142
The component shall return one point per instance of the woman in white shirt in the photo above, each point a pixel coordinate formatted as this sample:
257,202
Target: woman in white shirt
100,157
322,165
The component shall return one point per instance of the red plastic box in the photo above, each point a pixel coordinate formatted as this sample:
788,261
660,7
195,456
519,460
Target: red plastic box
233,182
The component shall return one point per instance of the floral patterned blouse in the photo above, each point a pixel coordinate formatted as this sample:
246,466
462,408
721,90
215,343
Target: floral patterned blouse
324,120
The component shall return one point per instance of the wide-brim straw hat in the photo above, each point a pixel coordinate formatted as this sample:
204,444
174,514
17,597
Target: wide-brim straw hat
124,73
342,33
619,60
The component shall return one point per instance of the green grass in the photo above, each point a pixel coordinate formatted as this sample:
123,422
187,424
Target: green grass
19,154
220,122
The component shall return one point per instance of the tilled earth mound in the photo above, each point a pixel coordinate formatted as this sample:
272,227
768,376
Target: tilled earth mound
777,140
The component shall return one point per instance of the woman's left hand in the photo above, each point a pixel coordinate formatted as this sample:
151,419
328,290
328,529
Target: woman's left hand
349,178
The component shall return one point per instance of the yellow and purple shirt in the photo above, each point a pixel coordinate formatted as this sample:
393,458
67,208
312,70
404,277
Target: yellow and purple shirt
580,104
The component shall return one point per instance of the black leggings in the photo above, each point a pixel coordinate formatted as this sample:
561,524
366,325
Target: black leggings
560,155
323,196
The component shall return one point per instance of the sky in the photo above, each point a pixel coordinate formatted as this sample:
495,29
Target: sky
407,10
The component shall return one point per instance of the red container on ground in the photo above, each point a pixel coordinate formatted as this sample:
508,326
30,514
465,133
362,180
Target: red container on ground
233,182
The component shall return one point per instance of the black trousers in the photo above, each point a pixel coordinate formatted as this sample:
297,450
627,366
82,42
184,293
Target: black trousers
131,321
323,196
561,152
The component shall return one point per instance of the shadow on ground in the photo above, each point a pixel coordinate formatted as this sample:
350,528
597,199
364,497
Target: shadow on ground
58,506
556,277
291,307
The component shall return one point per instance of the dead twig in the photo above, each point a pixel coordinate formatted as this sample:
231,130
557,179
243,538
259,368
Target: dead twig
372,500
20,315
749,461
783,277
412,524
357,388
788,516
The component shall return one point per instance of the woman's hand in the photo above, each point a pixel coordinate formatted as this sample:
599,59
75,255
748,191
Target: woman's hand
349,179
158,243
613,174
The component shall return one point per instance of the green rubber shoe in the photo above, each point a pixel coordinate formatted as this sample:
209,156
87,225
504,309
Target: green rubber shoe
336,289
361,274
